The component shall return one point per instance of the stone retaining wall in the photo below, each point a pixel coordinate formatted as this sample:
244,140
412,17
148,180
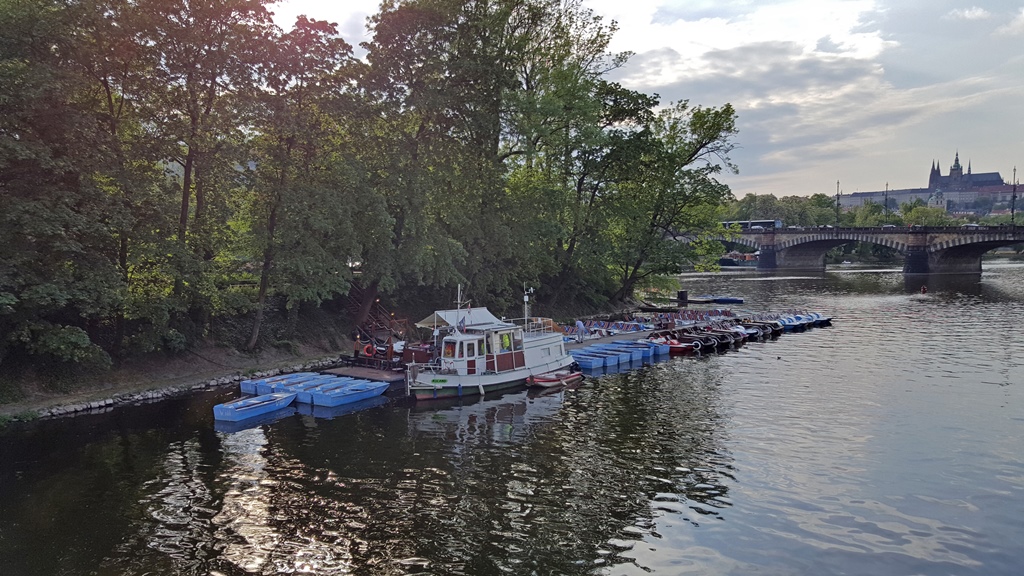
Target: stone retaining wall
171,391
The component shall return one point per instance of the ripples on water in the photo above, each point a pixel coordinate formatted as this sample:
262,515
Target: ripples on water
888,444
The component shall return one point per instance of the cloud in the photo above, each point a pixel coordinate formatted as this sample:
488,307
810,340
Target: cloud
1014,28
972,13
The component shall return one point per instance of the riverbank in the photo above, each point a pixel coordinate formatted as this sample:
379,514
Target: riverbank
164,376
151,379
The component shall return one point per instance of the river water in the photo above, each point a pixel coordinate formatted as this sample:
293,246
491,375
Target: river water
890,443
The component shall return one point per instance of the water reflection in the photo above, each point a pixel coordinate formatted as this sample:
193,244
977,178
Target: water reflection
889,444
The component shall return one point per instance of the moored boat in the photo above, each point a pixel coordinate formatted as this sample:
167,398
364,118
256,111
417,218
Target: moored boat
249,386
552,379
587,361
348,393
251,407
341,410
304,394
302,384
482,353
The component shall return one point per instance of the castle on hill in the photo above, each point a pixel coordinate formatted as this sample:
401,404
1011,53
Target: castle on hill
955,191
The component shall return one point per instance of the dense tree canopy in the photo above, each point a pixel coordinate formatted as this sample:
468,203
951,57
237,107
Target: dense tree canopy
165,163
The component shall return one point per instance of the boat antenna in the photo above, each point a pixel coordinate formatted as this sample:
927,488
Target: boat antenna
460,321
526,302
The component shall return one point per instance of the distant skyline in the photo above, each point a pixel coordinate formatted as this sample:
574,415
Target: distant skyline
863,92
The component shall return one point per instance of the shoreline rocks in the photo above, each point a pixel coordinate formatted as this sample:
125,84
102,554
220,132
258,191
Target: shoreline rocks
156,394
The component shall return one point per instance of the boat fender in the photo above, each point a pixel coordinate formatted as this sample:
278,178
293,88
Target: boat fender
368,350
696,344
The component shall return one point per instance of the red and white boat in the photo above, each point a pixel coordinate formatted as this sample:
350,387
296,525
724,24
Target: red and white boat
481,353
556,378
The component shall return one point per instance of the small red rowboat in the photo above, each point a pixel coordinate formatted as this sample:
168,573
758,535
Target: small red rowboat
552,379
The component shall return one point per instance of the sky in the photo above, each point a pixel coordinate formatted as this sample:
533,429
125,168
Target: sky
863,93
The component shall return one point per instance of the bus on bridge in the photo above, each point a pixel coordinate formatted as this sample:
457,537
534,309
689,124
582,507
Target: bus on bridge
753,224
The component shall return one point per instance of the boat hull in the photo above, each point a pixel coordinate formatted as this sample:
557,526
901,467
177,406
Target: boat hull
246,408
554,379
348,394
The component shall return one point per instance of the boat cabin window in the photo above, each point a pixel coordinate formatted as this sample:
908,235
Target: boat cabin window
504,342
449,350
470,349
509,341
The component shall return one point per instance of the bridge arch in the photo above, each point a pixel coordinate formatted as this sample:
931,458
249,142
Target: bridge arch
927,249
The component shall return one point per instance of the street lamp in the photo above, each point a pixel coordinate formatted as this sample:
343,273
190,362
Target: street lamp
837,203
886,202
1013,198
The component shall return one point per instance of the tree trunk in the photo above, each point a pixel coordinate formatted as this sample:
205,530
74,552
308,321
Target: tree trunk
122,262
186,196
268,262
369,300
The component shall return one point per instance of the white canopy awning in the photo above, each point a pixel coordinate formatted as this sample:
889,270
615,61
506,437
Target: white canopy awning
478,318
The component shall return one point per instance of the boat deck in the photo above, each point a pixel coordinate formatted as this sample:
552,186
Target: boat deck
395,379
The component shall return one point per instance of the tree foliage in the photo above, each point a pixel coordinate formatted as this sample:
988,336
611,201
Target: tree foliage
165,163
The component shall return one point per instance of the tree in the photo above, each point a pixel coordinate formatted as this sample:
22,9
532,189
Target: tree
674,194
208,55
924,216
299,205
58,280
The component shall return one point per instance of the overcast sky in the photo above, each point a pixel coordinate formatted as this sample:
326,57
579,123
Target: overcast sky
863,92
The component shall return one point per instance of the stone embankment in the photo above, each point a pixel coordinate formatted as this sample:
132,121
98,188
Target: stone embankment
138,397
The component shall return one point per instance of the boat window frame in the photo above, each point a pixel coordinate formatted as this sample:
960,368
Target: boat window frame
449,349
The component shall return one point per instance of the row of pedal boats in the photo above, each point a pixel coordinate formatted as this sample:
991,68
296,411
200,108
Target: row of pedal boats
266,395
686,338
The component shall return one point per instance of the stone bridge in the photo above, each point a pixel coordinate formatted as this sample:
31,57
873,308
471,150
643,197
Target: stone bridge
927,249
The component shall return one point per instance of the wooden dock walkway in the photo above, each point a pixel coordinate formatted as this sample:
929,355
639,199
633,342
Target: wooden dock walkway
394,378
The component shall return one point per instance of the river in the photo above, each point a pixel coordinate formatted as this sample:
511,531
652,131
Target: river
890,443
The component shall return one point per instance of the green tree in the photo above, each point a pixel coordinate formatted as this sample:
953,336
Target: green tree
297,208
209,55
924,216
58,280
673,193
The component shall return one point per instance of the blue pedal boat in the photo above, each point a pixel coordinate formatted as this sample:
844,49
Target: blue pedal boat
587,361
635,354
305,394
655,348
272,386
336,411
620,357
249,386
348,394
646,352
268,418
245,408
610,358
302,384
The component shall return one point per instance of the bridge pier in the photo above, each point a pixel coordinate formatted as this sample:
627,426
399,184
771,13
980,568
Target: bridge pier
766,259
916,260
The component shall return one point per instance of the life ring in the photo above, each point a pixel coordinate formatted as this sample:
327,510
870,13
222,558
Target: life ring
368,350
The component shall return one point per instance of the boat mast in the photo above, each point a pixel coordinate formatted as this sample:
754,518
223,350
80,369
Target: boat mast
526,302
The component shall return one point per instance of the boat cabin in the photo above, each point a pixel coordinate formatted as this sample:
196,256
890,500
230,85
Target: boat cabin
478,342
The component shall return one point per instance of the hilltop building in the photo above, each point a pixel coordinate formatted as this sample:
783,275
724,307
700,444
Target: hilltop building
956,190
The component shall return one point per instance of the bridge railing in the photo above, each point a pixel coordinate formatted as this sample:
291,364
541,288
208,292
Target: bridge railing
891,228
